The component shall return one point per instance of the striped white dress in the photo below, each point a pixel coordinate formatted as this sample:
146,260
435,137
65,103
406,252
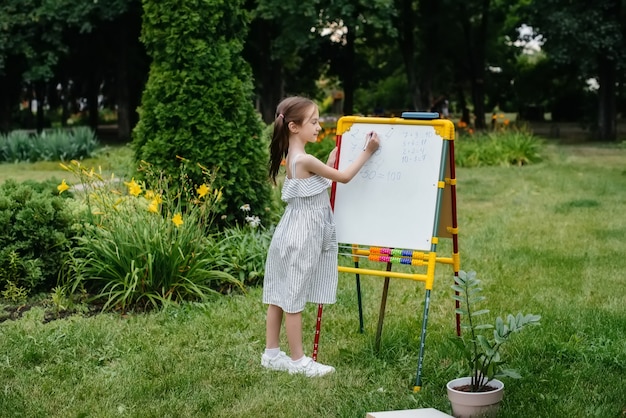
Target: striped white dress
301,263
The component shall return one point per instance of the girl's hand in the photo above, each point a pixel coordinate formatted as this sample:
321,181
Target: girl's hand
332,158
373,143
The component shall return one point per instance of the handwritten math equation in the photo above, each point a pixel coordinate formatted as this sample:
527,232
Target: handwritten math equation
402,151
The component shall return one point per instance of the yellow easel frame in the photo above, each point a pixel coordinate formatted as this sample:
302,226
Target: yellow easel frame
446,198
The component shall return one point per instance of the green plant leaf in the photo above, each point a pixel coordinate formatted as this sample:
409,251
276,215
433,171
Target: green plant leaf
480,312
484,354
508,373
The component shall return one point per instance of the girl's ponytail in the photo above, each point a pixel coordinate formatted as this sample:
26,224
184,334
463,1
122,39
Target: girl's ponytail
292,109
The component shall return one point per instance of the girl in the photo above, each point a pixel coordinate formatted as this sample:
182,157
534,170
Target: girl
301,262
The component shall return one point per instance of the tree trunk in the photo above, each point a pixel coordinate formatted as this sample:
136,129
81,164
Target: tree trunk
5,105
478,99
476,43
10,85
430,35
65,102
132,73
40,96
607,113
465,114
93,88
405,25
122,86
271,90
268,76
348,74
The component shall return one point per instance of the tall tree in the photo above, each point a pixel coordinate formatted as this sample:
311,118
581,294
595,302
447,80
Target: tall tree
198,100
404,20
475,23
592,37
419,28
30,41
351,20
283,50
33,41
109,55
292,44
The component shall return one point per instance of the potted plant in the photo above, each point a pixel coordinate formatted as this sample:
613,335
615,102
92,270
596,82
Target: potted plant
480,393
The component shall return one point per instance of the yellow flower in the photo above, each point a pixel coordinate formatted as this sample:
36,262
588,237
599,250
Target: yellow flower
150,195
62,187
203,190
178,220
133,187
218,195
154,206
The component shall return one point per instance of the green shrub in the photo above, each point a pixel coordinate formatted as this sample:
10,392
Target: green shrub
321,149
513,147
389,95
241,250
326,141
143,248
83,143
35,233
54,145
15,146
198,100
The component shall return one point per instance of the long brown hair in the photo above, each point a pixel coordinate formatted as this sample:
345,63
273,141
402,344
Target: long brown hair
292,109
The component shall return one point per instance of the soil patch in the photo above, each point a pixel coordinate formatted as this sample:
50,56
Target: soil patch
16,312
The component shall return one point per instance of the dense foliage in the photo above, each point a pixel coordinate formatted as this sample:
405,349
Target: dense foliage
57,145
142,247
198,100
35,233
513,147
383,55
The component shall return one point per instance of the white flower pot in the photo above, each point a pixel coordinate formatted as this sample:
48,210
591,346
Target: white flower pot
474,404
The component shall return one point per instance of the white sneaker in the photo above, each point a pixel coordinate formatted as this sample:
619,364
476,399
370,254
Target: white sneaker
309,368
280,362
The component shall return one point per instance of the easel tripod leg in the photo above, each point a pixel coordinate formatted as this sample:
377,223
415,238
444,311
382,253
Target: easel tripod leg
420,362
381,314
318,326
358,295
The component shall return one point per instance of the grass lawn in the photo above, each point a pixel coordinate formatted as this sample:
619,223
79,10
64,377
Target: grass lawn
547,239
114,159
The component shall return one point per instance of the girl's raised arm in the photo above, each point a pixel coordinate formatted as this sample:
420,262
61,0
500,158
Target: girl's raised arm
313,165
332,157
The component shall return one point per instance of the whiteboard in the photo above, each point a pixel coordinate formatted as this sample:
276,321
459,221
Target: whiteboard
393,200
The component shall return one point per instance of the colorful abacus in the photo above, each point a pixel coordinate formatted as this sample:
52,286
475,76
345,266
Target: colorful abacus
396,256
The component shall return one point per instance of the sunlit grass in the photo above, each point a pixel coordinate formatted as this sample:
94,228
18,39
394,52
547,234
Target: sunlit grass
115,159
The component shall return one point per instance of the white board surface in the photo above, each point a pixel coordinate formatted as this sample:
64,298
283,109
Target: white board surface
392,201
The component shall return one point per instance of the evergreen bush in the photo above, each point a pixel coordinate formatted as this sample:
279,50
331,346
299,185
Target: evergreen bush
35,232
198,103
